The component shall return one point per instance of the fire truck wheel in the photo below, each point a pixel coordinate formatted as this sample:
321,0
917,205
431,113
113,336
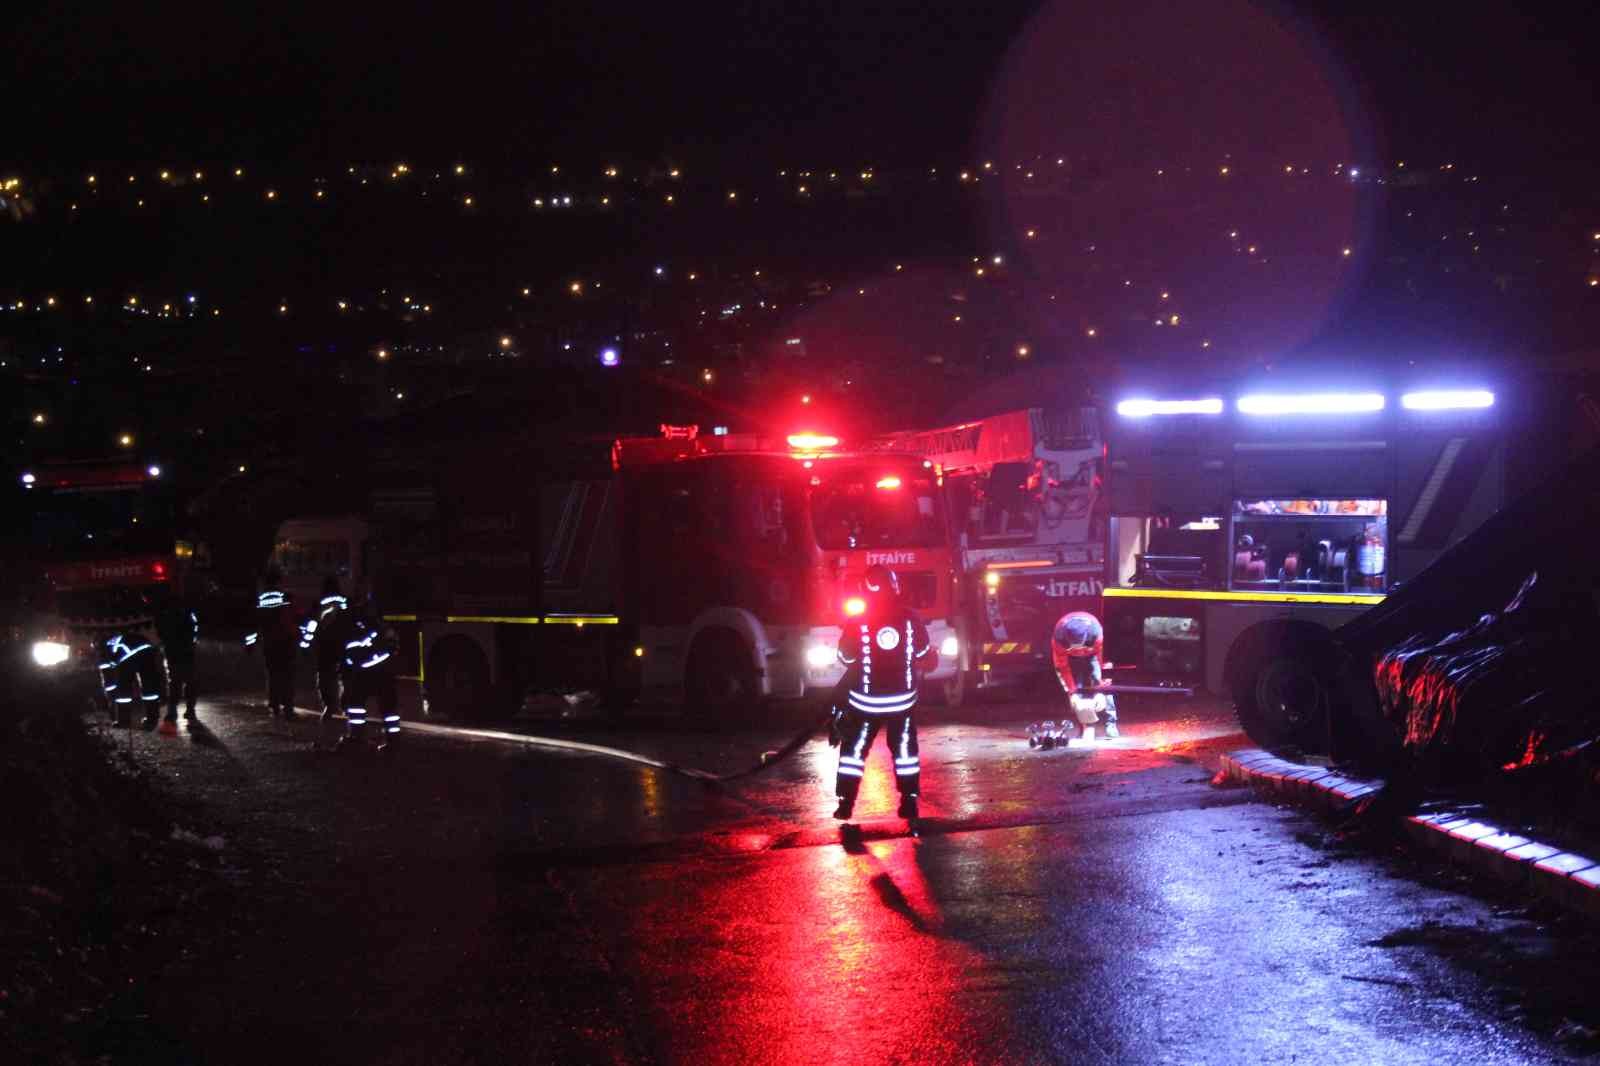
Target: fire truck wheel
458,681
720,678
1285,702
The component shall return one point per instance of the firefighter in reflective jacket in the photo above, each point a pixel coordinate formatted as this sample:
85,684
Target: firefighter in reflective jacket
326,636
275,633
369,688
132,672
1076,645
884,648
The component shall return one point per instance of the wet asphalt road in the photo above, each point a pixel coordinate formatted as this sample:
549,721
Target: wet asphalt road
465,899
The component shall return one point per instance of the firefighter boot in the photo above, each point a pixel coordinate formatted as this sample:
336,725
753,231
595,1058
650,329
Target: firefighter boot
847,806
1111,729
908,807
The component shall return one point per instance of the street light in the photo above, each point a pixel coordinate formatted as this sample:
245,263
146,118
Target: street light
126,440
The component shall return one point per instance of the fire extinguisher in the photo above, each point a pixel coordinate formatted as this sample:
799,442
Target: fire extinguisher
1370,559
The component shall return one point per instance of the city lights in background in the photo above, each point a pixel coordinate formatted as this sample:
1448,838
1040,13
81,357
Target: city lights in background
580,189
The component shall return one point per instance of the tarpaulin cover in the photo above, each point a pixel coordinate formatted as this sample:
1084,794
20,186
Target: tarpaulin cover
1513,689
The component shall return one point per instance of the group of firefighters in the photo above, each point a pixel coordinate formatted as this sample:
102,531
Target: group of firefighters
354,655
885,649
353,652
884,646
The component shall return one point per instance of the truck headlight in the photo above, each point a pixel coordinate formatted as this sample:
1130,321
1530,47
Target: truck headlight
819,656
50,652
950,647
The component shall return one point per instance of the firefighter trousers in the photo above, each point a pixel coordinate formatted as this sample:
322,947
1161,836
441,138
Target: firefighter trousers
370,696
280,680
138,680
328,688
180,684
856,733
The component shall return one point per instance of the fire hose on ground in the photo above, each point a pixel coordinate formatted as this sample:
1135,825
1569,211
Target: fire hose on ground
768,759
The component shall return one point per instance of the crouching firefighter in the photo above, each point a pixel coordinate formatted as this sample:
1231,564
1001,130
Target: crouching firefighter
132,673
884,647
1076,645
369,688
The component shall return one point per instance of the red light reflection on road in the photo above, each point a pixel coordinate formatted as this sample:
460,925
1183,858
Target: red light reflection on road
803,955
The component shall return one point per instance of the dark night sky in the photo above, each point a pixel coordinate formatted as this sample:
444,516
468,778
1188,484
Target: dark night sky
764,80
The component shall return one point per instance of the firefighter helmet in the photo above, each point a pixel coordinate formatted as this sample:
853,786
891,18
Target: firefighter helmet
881,583
1076,630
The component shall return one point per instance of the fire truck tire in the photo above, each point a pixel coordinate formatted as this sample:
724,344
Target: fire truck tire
721,677
1283,700
458,681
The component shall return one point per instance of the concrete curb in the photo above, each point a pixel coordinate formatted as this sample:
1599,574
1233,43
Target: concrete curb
1563,877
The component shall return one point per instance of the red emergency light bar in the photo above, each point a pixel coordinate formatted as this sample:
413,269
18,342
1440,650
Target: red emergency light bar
812,442
91,476
888,482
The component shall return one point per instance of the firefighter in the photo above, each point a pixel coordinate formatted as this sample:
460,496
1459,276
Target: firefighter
275,633
1076,646
133,666
369,688
179,629
884,649
326,635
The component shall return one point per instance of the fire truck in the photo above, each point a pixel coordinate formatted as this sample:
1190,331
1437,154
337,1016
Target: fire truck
1244,526
710,568
1024,490
90,550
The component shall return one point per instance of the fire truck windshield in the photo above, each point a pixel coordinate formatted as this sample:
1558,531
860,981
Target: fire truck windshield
874,505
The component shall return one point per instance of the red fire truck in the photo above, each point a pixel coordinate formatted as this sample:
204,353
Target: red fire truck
1024,489
1244,525
87,545
707,567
